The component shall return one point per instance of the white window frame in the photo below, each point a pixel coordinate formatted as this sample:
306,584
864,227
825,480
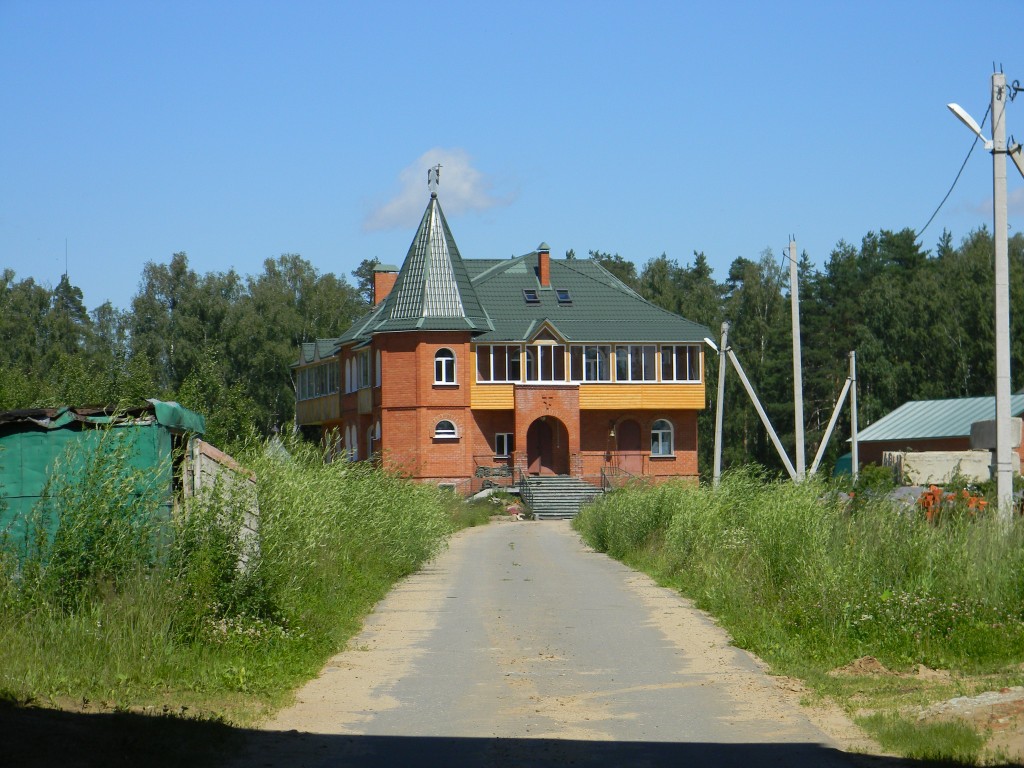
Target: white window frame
630,357
692,360
663,439
542,363
445,366
511,356
446,433
362,369
589,370
352,442
503,444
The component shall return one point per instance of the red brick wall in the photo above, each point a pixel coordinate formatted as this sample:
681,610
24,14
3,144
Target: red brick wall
598,448
383,282
411,404
560,401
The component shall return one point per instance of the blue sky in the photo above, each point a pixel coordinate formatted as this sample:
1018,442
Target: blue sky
240,131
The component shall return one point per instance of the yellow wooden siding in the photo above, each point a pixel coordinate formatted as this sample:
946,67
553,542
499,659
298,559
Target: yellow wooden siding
318,409
492,396
601,396
622,397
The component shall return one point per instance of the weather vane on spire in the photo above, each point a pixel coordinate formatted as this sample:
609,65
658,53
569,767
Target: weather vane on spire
434,179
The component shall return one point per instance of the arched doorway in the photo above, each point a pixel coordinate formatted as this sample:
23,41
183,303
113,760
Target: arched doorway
629,446
547,447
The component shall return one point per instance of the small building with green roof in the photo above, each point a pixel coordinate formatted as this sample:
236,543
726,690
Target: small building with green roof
471,369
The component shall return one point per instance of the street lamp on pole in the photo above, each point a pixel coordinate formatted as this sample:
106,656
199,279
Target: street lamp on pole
1003,465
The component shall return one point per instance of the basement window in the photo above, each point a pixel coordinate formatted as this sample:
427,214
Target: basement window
531,296
563,296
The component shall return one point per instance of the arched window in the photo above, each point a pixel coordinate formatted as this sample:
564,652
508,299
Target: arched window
662,443
445,429
444,367
352,443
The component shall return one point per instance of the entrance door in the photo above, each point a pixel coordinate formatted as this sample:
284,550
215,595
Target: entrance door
631,457
547,447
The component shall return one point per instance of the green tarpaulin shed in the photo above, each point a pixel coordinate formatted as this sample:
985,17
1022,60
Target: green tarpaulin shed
35,441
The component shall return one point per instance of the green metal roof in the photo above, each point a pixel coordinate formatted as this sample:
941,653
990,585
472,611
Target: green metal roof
433,290
438,290
601,308
313,351
925,419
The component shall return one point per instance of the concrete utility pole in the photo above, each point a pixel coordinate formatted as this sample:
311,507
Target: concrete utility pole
798,380
1004,467
854,457
716,475
1000,95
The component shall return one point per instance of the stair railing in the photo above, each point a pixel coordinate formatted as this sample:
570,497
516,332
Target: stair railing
615,477
525,489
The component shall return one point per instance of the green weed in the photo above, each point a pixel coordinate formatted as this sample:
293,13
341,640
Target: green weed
946,742
809,580
128,605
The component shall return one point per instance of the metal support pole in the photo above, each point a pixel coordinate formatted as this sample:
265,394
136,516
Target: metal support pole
720,406
1004,468
798,381
760,412
854,458
831,425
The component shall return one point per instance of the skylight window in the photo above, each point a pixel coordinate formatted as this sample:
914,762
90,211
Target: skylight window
531,296
563,296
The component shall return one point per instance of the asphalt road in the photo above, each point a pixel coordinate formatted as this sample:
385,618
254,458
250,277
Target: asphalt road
519,646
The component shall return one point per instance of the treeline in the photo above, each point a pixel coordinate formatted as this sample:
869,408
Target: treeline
921,321
219,343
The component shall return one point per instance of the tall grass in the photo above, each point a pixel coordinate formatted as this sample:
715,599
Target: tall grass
803,578
128,605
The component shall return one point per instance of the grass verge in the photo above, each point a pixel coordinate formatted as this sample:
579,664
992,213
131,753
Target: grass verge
159,619
810,582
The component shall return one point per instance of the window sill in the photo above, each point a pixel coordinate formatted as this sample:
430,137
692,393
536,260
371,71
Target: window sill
446,384
665,457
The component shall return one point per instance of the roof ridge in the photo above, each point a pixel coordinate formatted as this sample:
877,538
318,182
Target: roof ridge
493,270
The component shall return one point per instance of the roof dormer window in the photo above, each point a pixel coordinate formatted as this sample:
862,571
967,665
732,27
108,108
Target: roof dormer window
563,296
530,295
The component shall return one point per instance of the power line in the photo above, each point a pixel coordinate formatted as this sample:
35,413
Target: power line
953,185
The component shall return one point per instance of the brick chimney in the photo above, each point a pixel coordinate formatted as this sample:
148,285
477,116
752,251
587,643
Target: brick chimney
384,277
544,265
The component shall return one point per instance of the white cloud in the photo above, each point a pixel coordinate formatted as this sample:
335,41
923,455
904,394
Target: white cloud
1014,204
462,188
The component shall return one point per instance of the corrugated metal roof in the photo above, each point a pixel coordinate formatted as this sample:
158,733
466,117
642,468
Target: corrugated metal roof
602,307
925,419
437,289
312,351
433,287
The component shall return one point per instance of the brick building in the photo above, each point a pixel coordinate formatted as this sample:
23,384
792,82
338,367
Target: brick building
471,368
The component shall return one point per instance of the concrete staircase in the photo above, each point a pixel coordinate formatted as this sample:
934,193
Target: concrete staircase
557,496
